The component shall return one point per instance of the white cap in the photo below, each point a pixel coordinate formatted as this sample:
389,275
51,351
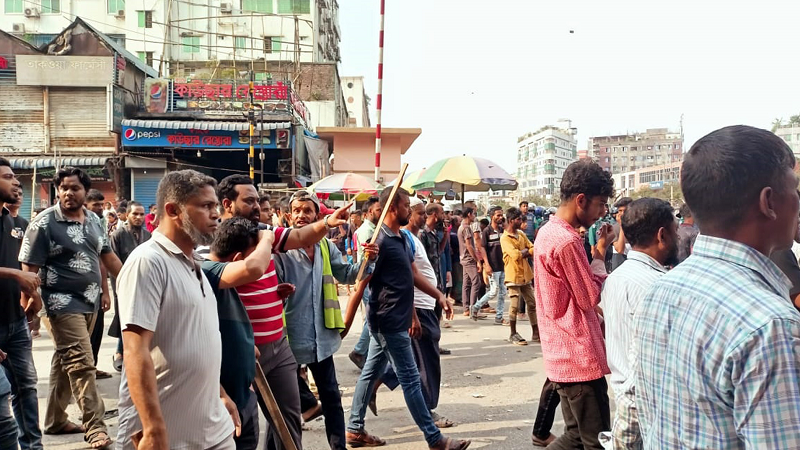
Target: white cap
415,201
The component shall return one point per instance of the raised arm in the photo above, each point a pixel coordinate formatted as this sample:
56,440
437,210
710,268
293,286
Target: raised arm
311,234
252,267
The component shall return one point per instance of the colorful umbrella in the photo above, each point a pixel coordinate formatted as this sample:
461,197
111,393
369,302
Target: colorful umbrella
345,184
408,180
465,174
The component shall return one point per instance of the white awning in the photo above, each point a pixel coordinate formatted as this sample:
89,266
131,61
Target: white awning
204,125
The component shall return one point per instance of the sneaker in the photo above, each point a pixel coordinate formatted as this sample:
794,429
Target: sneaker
517,339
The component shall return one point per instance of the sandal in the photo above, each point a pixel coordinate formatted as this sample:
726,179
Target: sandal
69,428
449,444
363,439
442,421
517,339
99,440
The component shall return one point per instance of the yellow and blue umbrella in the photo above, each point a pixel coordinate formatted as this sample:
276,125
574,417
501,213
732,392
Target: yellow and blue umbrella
464,174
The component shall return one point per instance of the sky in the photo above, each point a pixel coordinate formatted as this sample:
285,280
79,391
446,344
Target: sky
475,75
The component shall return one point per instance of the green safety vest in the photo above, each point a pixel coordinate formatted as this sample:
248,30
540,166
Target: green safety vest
330,297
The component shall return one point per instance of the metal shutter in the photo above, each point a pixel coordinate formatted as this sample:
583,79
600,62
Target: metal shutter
25,209
78,120
145,183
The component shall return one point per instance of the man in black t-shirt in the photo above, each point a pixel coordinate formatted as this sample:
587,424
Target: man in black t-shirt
493,265
16,355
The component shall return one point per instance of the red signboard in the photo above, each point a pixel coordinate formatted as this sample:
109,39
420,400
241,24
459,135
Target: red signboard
199,90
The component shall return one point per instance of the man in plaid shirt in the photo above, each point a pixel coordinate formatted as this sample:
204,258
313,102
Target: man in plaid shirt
717,339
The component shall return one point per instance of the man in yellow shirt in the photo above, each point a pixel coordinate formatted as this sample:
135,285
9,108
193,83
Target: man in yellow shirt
517,250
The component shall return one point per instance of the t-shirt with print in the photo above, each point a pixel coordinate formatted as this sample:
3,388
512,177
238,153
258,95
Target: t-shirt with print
391,302
260,298
491,245
68,254
238,357
20,225
465,235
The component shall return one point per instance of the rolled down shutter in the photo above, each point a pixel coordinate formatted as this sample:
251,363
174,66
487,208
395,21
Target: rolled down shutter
145,184
78,120
25,209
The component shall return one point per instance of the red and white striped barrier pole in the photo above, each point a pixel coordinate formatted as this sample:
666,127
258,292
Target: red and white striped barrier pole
379,100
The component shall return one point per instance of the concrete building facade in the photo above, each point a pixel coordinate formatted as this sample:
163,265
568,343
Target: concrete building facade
791,134
542,157
654,177
630,152
357,102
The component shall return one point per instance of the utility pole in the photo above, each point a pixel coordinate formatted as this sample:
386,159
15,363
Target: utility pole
251,117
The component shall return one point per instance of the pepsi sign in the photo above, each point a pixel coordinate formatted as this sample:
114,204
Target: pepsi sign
132,134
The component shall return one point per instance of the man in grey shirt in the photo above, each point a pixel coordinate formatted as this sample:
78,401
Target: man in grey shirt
65,245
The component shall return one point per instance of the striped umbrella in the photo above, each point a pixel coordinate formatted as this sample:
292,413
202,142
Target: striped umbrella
344,185
465,174
408,180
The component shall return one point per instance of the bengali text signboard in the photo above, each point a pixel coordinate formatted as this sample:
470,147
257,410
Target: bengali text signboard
159,137
43,70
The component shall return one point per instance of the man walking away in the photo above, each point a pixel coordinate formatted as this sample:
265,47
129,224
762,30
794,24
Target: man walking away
123,241
391,317
651,229
67,245
687,233
239,255
518,274
493,265
469,261
717,337
94,203
18,375
170,394
567,293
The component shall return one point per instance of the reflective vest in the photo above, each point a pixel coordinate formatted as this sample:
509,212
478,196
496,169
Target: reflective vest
330,297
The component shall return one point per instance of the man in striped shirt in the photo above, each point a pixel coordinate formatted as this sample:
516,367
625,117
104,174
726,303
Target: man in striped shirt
264,303
717,337
651,229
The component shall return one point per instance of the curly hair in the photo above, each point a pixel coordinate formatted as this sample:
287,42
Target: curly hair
587,178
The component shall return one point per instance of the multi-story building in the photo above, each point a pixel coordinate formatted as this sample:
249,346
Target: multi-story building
182,38
791,134
357,101
542,157
654,177
630,152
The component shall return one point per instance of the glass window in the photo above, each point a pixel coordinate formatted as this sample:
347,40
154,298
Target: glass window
146,57
262,6
294,7
13,6
788,138
51,6
191,44
145,19
114,6
241,43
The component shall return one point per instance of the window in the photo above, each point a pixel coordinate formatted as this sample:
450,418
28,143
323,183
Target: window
191,44
146,57
240,42
114,6
294,7
13,6
272,44
145,19
51,6
262,6
788,138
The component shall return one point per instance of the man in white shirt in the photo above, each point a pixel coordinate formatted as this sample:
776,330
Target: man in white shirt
651,229
170,393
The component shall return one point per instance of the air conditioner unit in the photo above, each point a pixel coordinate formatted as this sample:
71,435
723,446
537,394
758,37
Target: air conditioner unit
120,13
31,12
226,8
18,28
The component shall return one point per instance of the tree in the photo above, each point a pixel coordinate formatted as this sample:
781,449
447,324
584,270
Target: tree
672,190
777,123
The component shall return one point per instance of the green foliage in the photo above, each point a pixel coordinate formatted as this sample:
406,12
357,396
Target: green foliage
671,192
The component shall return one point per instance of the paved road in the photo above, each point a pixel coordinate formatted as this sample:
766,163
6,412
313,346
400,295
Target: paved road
490,389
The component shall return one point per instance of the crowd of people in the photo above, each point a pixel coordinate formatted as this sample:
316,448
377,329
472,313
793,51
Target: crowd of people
692,312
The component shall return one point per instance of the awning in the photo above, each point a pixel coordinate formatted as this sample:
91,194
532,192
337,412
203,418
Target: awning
42,163
204,125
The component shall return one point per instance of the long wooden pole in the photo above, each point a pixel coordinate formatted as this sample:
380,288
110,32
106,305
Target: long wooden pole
383,214
272,409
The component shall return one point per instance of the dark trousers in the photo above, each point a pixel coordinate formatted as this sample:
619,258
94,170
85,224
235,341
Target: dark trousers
471,286
586,412
548,403
328,387
307,399
280,370
97,333
426,353
248,440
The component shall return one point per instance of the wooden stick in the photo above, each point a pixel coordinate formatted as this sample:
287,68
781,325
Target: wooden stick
383,215
272,409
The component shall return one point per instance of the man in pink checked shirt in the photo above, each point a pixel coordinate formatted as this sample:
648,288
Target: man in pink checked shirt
567,294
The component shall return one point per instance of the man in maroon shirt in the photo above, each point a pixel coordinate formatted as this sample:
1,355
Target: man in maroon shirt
567,295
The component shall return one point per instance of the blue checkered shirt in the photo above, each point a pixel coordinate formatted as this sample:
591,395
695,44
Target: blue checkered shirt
718,344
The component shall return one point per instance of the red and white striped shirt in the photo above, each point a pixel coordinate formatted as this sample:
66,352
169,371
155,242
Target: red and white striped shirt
260,298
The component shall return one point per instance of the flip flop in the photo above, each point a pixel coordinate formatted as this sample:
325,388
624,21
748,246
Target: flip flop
99,440
69,428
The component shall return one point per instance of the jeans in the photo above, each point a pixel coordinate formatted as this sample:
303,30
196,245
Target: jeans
8,429
15,340
394,347
497,288
328,387
586,412
362,346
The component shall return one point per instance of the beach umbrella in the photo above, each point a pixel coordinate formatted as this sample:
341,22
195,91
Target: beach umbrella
465,174
345,185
